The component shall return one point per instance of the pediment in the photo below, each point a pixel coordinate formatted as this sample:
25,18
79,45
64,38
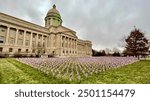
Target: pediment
62,29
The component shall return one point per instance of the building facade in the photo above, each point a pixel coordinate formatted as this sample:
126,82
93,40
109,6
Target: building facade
19,36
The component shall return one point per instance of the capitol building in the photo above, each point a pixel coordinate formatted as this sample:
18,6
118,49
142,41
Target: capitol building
19,36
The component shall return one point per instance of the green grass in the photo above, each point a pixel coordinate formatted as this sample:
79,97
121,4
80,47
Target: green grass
14,72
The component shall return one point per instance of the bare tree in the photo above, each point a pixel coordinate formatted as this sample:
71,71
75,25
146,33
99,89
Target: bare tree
136,43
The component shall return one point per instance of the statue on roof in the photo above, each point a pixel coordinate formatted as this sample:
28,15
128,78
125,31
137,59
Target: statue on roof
54,6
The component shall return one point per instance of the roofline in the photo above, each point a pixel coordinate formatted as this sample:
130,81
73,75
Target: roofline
68,29
23,21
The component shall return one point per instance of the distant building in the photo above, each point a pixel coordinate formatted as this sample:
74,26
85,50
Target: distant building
19,36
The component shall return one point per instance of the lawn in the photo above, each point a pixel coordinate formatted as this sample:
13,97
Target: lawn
15,72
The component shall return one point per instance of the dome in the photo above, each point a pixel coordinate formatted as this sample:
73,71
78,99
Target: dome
53,12
53,18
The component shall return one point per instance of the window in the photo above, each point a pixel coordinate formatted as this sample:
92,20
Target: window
33,44
2,30
44,38
39,37
54,43
39,44
19,50
1,49
43,44
33,51
34,35
11,41
62,44
1,39
28,34
12,32
27,50
43,51
27,42
21,32
10,49
20,42
62,37
20,36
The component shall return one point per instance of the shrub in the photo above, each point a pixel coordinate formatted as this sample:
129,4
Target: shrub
4,55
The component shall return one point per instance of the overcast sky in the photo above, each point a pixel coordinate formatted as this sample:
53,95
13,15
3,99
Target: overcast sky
104,22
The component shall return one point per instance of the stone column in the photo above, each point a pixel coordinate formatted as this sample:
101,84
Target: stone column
65,42
16,38
52,37
68,43
36,40
72,44
41,40
59,44
24,38
7,35
57,41
75,46
45,45
46,38
31,39
71,47
61,41
49,41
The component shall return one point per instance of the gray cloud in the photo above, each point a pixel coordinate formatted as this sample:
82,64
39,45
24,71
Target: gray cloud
104,22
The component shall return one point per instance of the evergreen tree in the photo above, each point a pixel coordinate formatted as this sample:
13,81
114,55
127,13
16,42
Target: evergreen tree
103,53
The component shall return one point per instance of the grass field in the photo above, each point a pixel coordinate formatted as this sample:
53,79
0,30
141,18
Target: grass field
15,72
